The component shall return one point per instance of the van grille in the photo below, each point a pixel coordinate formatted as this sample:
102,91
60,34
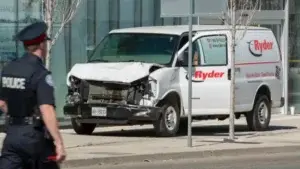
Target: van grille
105,95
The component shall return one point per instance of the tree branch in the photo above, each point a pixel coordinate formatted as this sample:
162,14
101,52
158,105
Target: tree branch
67,15
66,18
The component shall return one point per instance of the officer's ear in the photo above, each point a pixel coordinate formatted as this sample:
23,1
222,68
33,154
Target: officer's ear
42,45
32,48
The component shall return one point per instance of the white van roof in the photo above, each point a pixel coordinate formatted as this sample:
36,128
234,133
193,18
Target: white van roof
180,29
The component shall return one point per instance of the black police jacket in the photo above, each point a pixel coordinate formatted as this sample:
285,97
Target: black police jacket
25,85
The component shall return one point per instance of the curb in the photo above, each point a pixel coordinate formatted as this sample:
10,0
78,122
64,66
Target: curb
178,155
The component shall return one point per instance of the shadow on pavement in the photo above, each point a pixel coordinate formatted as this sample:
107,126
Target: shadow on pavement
221,130
217,142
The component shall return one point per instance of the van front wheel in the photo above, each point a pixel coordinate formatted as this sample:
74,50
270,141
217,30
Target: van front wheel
259,118
82,128
168,123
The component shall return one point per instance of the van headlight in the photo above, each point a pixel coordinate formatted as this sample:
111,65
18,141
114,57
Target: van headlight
153,86
74,82
73,98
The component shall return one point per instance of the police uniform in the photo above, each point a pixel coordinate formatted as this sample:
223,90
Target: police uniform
25,85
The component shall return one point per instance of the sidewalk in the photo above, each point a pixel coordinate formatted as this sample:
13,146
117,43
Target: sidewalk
132,143
114,144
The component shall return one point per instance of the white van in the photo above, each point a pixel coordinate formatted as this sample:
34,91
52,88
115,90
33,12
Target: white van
140,76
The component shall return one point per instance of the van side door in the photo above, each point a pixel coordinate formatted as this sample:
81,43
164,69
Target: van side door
210,80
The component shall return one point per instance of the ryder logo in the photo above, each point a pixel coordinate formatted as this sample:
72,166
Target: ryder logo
257,47
200,76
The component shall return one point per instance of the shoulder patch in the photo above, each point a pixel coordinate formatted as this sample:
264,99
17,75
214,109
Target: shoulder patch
49,80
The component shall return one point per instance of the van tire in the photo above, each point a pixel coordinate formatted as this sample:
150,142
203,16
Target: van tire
82,128
183,125
257,119
169,110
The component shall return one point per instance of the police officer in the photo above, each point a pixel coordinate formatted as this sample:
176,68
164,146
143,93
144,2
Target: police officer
27,99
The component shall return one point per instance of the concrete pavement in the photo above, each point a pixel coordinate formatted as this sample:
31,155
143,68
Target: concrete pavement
124,144
112,145
269,161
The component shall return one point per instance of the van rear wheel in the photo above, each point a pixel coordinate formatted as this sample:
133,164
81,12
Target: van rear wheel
259,118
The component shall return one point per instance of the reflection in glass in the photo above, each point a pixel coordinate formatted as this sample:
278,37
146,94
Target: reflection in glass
125,47
7,31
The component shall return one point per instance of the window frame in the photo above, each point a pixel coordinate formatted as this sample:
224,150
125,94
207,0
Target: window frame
199,51
202,51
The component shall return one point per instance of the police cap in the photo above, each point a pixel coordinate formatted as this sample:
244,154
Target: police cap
33,34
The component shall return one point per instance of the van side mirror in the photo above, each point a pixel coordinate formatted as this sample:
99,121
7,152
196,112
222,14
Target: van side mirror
186,55
183,59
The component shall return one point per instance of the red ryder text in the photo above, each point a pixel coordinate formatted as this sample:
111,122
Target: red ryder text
205,75
264,45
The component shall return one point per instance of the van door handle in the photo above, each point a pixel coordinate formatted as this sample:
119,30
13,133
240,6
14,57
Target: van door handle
198,81
229,74
193,80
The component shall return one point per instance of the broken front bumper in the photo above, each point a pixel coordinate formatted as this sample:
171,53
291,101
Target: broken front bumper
93,113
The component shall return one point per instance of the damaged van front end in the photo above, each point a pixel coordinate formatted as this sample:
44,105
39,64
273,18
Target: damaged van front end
119,93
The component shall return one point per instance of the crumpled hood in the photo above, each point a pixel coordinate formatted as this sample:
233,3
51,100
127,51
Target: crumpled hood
124,72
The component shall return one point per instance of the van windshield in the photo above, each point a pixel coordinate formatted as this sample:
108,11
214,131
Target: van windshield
135,47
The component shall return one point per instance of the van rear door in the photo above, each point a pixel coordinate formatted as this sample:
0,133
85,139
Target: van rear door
211,73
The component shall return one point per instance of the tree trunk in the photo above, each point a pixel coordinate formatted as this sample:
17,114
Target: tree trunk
48,20
232,85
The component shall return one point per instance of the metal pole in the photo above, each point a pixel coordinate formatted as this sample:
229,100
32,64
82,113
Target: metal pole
286,57
190,76
232,84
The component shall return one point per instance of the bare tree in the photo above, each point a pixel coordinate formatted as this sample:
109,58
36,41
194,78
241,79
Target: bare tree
66,14
56,12
241,12
238,16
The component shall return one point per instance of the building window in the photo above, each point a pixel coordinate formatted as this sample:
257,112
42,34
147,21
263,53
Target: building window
91,23
114,14
138,6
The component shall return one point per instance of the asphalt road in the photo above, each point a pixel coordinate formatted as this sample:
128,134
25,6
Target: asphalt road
262,161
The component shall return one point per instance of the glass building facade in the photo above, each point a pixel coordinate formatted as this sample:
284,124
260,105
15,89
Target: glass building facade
95,18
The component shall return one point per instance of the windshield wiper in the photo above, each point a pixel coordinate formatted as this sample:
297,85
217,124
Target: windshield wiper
132,61
128,61
98,60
